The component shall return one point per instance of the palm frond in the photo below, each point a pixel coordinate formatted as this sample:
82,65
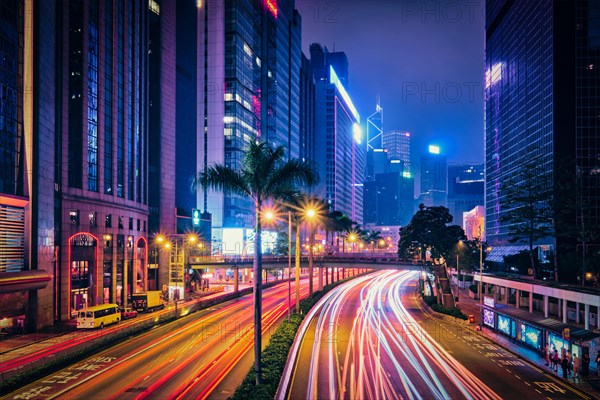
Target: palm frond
221,177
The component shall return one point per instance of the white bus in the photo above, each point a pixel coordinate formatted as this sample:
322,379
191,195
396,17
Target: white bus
98,316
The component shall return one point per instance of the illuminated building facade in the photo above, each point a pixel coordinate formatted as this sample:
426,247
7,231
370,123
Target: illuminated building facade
75,195
541,100
465,189
248,89
397,144
339,147
433,177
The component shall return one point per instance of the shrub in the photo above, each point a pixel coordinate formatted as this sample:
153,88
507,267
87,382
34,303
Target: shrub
431,301
275,355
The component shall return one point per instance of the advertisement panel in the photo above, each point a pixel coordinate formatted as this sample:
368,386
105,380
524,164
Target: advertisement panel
530,335
555,341
488,318
504,324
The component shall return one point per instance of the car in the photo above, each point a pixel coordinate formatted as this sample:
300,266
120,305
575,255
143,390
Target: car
127,313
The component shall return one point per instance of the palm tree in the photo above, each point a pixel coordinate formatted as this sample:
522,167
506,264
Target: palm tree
265,175
373,237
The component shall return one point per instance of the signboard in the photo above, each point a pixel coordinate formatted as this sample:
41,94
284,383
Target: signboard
489,301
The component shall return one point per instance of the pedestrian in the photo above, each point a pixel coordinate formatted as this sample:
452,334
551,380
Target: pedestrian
576,366
585,364
569,363
564,363
546,356
555,360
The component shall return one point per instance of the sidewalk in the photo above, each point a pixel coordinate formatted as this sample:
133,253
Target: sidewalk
590,385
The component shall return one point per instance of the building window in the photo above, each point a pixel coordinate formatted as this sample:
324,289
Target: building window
130,224
74,217
92,217
108,221
138,225
120,222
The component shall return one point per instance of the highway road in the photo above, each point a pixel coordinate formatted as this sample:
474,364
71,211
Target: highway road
370,340
185,359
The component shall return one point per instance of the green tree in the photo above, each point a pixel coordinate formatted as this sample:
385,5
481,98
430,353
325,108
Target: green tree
527,206
264,175
429,229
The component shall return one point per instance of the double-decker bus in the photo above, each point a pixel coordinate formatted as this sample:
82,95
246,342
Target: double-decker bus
98,316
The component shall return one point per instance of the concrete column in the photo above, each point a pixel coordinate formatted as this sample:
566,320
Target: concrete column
236,279
586,316
577,312
564,311
545,306
517,298
559,308
530,302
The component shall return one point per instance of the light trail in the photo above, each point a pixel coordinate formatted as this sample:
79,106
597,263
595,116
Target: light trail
387,353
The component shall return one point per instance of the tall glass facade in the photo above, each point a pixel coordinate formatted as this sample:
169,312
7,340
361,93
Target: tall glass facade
541,100
259,93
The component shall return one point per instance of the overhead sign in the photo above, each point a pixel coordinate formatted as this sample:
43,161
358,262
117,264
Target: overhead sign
489,301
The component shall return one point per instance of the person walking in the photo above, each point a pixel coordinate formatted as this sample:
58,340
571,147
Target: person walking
585,364
546,356
555,360
576,366
569,363
564,363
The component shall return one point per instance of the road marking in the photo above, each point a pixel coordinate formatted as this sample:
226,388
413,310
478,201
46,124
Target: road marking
528,384
538,391
517,376
508,370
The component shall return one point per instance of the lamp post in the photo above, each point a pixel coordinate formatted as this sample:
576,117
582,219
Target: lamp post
289,264
480,283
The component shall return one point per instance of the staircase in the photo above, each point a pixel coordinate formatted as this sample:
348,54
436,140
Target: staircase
443,282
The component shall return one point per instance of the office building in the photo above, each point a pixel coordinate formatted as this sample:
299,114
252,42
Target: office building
74,177
541,100
465,189
397,144
339,147
388,199
473,223
433,169
248,69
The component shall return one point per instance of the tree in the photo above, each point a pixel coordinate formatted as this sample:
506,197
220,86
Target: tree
527,206
373,237
264,175
429,230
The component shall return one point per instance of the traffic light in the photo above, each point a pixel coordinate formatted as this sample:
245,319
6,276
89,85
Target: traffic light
195,218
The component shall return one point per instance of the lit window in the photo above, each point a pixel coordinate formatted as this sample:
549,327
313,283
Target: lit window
92,218
74,217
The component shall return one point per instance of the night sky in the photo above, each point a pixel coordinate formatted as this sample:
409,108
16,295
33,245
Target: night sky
424,57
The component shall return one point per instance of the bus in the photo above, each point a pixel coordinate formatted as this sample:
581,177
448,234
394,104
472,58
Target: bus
98,316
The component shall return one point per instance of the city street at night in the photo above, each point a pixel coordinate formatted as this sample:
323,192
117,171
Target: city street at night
184,359
370,339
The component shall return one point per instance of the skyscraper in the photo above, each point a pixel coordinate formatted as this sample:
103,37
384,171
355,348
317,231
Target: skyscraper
465,189
339,147
248,89
397,144
433,177
74,177
541,100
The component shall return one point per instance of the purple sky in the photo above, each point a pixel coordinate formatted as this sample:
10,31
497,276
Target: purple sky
424,57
